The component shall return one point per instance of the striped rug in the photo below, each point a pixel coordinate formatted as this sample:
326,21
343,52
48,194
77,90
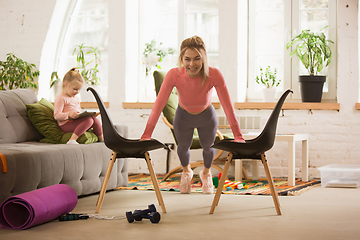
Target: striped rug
259,187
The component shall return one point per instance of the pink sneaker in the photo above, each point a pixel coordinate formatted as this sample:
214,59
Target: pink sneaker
207,183
185,182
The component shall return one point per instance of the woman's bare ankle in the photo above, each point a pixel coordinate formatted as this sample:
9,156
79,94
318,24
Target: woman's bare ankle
187,168
206,170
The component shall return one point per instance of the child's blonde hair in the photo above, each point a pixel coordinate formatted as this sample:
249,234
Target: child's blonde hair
197,44
73,75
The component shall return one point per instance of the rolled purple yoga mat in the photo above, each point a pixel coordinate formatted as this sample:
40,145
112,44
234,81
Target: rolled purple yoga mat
36,207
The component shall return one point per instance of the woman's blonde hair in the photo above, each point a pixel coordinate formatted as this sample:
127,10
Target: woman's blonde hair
197,44
73,75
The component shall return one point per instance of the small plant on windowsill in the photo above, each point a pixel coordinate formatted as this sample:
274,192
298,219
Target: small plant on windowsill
54,79
154,54
88,59
269,80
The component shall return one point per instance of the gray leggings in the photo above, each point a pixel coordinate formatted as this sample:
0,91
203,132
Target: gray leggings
206,124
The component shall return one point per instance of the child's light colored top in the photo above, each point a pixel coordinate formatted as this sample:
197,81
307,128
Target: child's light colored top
63,105
193,97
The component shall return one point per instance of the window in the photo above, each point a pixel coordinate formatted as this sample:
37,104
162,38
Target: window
88,24
158,20
168,22
202,19
272,25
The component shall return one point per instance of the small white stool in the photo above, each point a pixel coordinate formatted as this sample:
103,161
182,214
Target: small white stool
291,139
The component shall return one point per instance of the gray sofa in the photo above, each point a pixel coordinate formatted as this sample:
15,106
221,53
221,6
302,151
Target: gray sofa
32,164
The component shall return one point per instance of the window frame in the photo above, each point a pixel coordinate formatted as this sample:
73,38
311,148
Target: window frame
136,88
61,60
291,29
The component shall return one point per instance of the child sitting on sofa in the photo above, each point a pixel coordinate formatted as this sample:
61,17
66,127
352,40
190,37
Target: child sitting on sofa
67,109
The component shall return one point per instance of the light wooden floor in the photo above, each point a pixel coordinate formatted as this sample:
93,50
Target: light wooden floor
320,213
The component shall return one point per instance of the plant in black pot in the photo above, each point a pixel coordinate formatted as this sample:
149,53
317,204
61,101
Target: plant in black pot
314,52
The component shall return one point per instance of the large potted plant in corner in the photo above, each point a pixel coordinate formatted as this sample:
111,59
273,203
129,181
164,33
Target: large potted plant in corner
16,73
88,60
313,51
268,79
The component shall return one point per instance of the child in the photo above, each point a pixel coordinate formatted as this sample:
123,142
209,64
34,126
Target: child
67,108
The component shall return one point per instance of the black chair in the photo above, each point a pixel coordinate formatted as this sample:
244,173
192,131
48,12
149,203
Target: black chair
124,148
252,149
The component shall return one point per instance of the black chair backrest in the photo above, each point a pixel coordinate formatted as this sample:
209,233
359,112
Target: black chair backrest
111,136
267,137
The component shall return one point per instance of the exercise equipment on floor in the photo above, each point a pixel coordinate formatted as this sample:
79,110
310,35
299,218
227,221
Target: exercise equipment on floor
149,213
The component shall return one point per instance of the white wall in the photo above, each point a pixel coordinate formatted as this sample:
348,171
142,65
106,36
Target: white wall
23,26
334,136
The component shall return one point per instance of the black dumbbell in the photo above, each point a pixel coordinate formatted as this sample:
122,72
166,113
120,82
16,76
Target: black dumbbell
154,217
138,215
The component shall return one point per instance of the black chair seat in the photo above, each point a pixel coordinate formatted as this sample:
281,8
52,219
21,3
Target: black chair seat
130,148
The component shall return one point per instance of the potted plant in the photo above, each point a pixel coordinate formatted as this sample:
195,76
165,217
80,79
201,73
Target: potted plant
313,51
88,60
153,55
17,73
55,82
268,79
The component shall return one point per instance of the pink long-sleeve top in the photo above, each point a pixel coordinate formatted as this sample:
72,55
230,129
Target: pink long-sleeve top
64,104
193,97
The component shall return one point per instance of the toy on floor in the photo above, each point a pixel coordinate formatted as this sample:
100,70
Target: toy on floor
229,185
215,181
149,213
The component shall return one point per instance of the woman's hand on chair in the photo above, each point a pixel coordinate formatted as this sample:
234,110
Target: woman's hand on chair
145,138
239,140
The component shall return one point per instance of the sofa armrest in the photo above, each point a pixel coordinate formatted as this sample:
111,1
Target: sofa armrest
3,163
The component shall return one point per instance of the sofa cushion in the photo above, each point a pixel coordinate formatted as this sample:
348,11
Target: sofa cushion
41,114
15,125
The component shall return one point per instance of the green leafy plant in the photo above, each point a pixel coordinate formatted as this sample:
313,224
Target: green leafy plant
88,59
267,78
16,73
154,54
312,49
54,79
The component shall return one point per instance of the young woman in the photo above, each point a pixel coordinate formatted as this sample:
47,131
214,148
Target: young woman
67,108
194,81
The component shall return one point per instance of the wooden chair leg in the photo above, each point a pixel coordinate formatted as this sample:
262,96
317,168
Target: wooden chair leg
155,182
271,184
221,183
105,182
